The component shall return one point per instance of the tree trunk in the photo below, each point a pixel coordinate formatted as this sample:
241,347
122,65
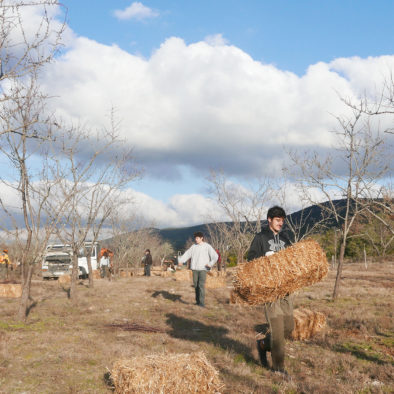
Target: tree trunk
24,302
89,261
74,277
339,270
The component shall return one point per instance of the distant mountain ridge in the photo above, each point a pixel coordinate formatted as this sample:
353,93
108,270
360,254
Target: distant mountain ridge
178,236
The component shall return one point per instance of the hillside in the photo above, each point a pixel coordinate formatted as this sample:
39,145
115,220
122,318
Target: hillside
178,236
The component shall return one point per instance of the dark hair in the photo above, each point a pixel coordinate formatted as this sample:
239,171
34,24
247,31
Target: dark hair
147,250
276,212
198,234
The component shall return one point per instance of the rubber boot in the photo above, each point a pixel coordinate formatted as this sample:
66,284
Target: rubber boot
264,346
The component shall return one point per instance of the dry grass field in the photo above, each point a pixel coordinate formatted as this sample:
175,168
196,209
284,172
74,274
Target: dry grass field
70,348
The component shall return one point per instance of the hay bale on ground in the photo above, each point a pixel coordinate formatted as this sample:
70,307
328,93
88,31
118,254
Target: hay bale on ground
215,282
183,275
268,278
166,373
96,274
124,274
307,323
64,279
10,290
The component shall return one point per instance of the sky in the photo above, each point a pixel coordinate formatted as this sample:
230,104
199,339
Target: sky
221,85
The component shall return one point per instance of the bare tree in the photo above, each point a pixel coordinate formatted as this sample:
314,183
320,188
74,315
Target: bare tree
131,236
219,238
32,189
360,151
302,223
379,104
244,207
95,180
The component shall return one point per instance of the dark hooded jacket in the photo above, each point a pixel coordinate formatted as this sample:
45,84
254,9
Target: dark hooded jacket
266,241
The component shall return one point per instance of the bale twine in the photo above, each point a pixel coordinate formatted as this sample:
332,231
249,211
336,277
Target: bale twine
166,373
10,290
268,278
64,279
307,323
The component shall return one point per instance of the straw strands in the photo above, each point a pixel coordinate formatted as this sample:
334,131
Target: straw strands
184,275
215,280
10,290
307,323
166,373
64,279
268,278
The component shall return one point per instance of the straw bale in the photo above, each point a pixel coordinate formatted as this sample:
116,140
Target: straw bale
216,273
236,299
268,278
10,290
124,274
96,274
183,275
166,373
64,279
165,274
215,282
307,323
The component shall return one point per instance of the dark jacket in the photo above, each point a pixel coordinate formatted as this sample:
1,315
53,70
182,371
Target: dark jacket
266,241
148,259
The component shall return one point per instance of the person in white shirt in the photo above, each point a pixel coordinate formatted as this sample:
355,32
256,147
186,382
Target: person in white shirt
203,257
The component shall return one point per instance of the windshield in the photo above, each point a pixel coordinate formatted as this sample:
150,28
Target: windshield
86,250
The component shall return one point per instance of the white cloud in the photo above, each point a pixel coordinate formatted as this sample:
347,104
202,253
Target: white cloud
136,11
215,40
206,106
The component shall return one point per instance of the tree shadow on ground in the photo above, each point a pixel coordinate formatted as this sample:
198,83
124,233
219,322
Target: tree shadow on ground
31,306
360,353
169,296
193,330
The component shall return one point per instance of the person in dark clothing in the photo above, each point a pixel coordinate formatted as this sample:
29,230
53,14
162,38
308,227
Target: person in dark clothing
279,314
147,262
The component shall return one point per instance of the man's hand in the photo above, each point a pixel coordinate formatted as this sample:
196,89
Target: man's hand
207,267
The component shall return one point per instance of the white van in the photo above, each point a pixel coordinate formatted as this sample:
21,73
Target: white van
58,260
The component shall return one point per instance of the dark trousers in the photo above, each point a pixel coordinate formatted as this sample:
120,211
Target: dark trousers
280,318
199,278
147,270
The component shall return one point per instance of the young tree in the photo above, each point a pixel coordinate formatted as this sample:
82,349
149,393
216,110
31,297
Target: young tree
95,179
243,207
360,152
32,188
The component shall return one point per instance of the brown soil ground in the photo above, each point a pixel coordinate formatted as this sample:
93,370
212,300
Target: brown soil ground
69,347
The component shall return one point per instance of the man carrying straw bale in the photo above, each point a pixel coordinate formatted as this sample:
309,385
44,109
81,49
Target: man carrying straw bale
203,257
279,314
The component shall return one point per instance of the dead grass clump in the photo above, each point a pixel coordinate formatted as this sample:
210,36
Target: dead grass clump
166,373
268,278
96,274
307,323
10,290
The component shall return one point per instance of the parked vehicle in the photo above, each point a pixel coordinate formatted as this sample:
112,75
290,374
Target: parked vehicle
58,260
